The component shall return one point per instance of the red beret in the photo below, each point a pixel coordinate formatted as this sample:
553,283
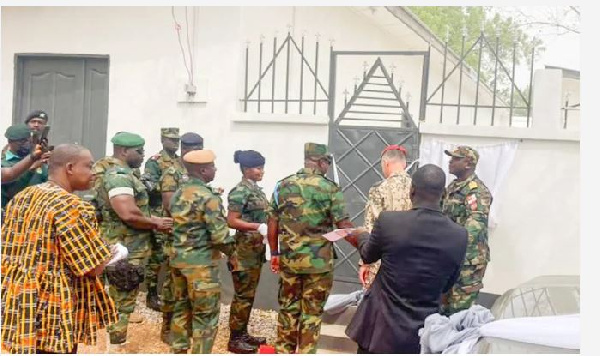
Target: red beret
394,148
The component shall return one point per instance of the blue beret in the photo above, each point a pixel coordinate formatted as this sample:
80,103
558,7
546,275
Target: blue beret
248,159
192,139
127,139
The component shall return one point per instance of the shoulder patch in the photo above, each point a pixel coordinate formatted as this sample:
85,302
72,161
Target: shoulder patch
473,185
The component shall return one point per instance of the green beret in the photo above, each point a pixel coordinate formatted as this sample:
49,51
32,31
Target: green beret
127,139
169,132
17,132
316,150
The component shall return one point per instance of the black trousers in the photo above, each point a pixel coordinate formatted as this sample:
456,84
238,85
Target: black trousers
362,351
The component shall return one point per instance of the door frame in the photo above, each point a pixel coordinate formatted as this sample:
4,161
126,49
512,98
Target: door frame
17,116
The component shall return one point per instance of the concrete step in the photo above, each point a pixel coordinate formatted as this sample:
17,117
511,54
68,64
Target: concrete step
333,337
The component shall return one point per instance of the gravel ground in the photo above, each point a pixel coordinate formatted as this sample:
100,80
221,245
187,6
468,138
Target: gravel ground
144,338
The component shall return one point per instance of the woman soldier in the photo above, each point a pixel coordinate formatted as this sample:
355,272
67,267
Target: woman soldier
247,205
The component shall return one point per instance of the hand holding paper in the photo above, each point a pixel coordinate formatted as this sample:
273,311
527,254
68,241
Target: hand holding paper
337,234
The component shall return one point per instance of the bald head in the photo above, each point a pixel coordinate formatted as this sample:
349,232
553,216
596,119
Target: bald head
63,154
71,165
429,182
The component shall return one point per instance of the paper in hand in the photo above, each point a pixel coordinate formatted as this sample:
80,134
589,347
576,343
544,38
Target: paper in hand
337,234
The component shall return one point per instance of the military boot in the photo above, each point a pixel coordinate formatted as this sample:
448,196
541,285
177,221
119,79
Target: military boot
238,345
153,301
165,330
254,340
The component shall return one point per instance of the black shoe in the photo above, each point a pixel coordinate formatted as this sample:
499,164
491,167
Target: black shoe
165,331
238,345
254,340
153,301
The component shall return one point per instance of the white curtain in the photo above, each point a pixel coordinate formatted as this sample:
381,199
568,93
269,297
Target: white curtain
494,164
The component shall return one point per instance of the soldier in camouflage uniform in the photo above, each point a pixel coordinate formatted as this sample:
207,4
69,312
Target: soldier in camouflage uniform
467,202
247,205
171,179
304,206
126,219
153,170
391,194
200,235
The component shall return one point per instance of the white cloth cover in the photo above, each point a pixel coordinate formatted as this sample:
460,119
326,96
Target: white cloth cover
494,164
561,331
455,334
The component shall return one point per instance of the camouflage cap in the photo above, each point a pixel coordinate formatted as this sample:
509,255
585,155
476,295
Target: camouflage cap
169,132
316,150
464,151
17,132
127,139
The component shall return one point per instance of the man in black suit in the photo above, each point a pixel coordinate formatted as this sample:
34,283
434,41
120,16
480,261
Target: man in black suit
421,253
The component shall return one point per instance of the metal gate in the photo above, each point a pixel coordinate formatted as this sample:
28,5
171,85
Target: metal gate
375,115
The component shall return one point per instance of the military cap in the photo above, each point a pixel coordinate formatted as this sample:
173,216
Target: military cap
199,156
316,150
127,139
17,132
169,132
36,114
191,139
464,151
394,148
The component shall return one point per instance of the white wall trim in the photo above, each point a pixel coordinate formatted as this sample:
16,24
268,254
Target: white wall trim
500,132
288,119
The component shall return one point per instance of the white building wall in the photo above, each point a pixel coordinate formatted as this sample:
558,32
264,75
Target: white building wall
147,74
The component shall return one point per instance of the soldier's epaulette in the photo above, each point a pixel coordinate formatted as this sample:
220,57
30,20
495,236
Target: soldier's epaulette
122,170
473,185
377,184
330,180
281,180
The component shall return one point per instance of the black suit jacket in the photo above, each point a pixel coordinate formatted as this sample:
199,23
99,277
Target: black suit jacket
421,253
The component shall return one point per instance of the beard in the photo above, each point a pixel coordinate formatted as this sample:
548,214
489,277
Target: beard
23,151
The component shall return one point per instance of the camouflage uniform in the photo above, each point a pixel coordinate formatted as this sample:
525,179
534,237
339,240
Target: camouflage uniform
115,230
468,203
153,170
171,180
200,234
307,205
245,264
390,194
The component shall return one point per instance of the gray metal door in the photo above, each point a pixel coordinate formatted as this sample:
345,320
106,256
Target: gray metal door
375,116
73,90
